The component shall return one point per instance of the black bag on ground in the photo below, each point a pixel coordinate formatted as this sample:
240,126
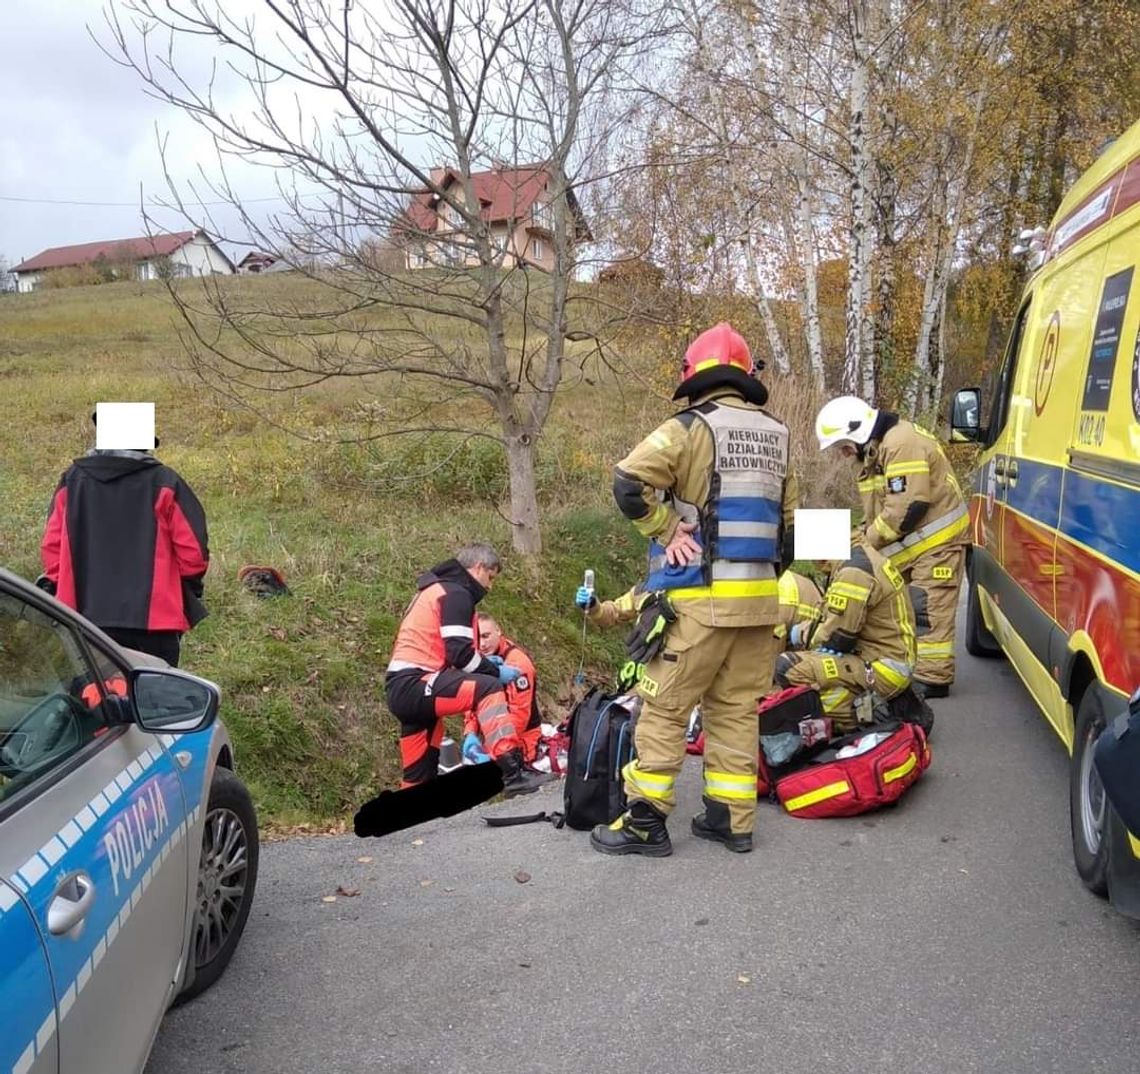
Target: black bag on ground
1117,759
906,707
601,744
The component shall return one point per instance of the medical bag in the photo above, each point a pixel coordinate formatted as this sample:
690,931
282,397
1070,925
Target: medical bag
601,745
856,773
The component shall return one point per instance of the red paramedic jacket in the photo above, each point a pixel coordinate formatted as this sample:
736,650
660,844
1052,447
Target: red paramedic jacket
126,543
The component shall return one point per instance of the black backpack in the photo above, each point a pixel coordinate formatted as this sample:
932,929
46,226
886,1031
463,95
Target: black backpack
601,745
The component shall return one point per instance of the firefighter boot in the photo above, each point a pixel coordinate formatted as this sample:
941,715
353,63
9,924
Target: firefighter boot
640,830
713,824
517,778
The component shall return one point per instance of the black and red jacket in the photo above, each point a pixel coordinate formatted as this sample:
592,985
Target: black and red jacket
125,543
439,630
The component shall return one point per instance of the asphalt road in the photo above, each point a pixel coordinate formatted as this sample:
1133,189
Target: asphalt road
948,935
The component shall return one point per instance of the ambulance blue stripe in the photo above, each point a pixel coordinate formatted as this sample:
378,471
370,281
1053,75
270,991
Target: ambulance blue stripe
1099,514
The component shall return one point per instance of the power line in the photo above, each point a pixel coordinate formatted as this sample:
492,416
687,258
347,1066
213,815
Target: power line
130,204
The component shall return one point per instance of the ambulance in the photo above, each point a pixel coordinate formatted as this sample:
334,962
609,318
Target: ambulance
1054,568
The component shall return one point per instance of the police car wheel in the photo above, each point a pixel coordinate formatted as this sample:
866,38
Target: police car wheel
227,876
1087,804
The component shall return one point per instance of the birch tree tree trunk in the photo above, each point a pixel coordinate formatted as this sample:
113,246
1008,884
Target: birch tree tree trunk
857,262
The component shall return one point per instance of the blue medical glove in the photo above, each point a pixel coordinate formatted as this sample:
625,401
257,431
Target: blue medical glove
496,660
472,749
828,652
584,598
508,674
797,636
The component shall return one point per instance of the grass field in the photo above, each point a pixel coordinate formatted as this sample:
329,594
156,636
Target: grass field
302,676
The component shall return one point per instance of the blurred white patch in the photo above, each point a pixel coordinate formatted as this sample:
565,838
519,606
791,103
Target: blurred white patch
823,534
124,426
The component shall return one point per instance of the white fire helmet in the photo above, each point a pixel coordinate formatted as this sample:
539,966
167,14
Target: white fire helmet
844,418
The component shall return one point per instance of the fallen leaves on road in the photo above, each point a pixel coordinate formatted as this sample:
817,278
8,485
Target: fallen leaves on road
348,893
426,883
743,978
365,860
417,842
328,898
522,877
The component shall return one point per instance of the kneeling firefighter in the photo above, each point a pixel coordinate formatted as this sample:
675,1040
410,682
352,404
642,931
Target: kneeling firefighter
914,513
711,490
864,644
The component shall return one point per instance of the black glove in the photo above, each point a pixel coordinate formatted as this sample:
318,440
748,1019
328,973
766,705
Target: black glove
647,637
46,584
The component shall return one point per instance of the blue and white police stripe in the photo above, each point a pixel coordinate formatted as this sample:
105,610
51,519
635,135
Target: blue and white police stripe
39,865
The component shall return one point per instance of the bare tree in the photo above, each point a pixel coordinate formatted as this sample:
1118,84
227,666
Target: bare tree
460,134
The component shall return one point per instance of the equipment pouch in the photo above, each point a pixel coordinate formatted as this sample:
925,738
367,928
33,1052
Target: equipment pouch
648,635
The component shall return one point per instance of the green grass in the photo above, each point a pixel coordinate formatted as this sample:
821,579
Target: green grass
349,526
302,677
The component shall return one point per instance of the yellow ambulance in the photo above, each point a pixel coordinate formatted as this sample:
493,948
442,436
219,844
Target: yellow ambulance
1054,569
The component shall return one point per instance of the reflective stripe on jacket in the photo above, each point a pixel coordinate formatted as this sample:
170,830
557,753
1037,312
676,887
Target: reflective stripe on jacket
912,501
439,628
867,612
723,464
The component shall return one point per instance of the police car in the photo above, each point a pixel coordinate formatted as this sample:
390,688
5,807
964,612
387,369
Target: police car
128,848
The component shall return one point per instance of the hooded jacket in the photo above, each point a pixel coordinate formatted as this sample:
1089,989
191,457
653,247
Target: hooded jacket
439,629
125,543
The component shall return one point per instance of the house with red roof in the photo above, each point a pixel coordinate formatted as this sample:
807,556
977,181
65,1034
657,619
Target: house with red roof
515,202
182,253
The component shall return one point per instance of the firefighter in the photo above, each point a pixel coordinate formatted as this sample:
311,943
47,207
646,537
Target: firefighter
800,601
522,698
125,545
864,642
914,514
436,670
710,488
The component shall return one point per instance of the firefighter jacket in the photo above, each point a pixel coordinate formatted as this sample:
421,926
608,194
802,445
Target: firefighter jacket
623,609
912,502
723,464
867,612
800,601
439,629
125,543
522,700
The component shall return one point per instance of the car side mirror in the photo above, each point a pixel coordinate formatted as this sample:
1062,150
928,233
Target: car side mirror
965,416
172,702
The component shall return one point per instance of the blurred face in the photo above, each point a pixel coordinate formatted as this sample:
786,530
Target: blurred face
489,636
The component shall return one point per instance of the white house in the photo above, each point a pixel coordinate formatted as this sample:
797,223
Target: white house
182,253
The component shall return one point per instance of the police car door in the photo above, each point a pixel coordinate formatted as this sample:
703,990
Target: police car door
28,1044
91,835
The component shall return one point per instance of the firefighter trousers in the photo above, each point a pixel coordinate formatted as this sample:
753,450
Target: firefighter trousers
421,700
726,670
937,576
839,680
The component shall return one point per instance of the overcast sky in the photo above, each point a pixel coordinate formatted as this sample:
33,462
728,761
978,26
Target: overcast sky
78,128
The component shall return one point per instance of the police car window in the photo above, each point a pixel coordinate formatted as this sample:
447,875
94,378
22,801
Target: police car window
50,703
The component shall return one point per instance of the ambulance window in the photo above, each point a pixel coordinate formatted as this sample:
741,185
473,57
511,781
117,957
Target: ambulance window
1003,390
47,709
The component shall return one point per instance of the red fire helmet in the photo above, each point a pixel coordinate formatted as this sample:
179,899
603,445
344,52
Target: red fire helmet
719,345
